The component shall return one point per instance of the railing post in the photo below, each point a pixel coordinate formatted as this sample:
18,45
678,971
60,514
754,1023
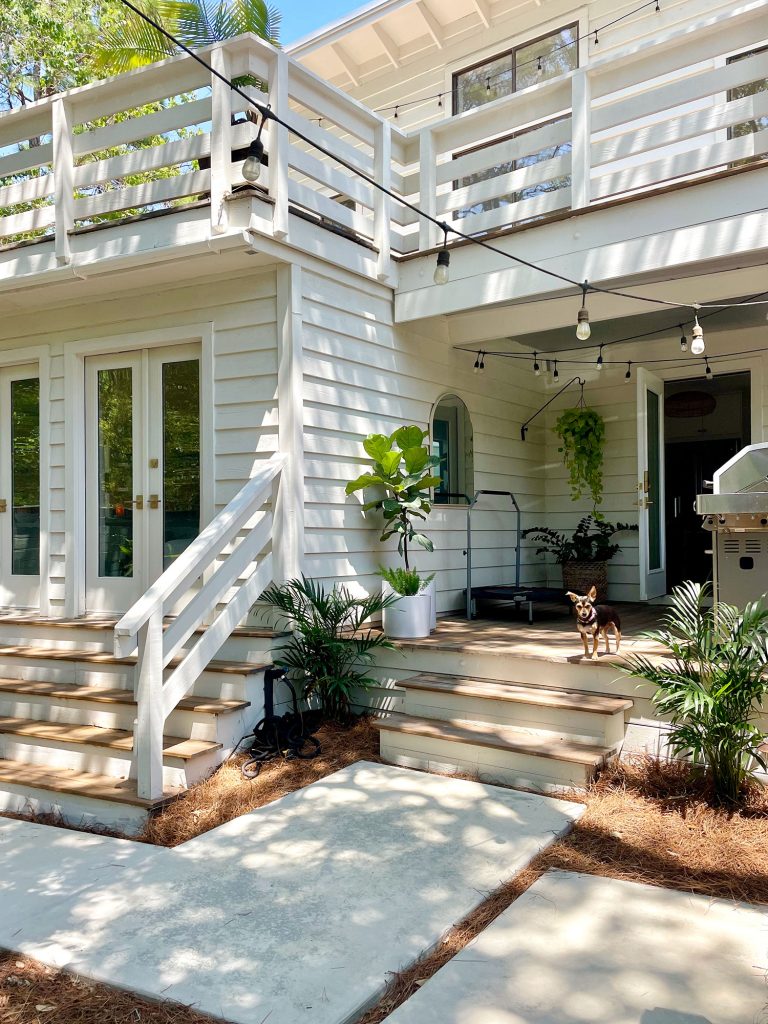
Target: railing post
581,139
278,147
150,720
63,178
221,141
428,232
382,204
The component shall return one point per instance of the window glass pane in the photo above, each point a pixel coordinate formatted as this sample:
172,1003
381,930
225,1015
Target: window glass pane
654,481
452,442
484,83
25,472
115,391
559,54
181,457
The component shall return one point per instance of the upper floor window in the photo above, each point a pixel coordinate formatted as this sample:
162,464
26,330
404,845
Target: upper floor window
535,61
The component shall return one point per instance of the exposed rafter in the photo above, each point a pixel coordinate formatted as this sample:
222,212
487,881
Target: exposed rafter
351,68
483,9
388,45
434,27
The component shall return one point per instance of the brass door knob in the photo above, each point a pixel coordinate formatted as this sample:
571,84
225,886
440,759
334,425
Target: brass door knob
154,501
138,502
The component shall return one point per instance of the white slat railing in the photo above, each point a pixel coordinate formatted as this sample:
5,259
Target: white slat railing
217,579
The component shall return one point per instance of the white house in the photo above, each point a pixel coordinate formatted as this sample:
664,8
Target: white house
181,347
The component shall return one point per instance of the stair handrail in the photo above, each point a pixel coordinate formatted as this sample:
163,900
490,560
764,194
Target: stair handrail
142,626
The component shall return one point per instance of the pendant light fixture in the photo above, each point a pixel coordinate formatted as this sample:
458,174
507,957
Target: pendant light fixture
583,330
442,274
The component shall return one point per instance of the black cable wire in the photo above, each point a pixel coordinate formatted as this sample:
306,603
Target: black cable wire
268,114
534,60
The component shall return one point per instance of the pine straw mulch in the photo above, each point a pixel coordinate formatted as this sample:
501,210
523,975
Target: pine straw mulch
644,822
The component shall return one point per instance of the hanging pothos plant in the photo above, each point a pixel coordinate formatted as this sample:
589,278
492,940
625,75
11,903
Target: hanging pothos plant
582,433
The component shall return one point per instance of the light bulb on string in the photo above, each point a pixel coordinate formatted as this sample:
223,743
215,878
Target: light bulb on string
555,374
477,363
583,330
683,340
600,358
697,335
482,362
708,371
536,367
254,159
488,85
442,274
539,68
440,100
628,374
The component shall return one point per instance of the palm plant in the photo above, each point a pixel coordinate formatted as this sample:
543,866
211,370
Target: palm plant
130,42
330,643
712,687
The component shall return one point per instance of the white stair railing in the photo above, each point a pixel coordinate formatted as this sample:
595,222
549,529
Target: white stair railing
219,603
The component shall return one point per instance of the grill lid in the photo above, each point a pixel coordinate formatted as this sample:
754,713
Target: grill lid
740,486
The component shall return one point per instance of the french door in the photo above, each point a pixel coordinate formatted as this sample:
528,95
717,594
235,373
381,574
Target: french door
20,487
650,487
142,418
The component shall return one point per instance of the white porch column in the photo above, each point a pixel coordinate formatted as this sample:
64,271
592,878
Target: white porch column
221,141
288,531
63,178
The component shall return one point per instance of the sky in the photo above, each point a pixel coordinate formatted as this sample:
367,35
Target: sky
300,17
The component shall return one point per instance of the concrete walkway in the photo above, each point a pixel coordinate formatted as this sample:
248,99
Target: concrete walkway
575,949
295,912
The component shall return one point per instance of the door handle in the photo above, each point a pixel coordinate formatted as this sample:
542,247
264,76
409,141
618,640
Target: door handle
3,505
138,502
154,501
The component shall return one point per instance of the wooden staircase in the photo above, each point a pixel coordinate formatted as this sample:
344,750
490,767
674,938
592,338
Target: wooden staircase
520,734
67,713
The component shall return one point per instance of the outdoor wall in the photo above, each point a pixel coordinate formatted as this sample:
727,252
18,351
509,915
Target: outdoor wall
362,375
242,314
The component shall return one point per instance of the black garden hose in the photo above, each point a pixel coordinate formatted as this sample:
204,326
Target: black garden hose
279,736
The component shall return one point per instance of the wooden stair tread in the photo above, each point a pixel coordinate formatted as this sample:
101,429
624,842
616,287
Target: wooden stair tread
501,737
71,782
36,688
107,658
570,700
92,735
109,623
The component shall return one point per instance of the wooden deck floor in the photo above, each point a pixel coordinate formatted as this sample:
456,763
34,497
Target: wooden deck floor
552,635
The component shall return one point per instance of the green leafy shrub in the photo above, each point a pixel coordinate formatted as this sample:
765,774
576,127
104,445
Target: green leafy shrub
590,541
405,582
402,468
712,686
330,644
582,433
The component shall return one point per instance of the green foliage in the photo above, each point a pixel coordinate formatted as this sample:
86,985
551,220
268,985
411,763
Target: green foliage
330,644
403,471
131,42
712,687
405,582
590,541
582,432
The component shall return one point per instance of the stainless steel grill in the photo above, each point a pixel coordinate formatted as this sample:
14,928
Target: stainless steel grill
736,513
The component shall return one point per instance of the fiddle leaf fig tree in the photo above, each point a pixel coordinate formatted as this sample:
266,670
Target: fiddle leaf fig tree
403,472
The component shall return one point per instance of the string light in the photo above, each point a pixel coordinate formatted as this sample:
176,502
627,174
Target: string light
555,374
683,340
254,159
440,100
488,85
600,358
477,363
708,371
442,274
583,330
697,344
597,41
538,66
536,367
628,374
482,362
397,108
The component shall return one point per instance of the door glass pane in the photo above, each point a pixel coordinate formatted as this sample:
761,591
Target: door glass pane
181,457
25,474
115,397
654,474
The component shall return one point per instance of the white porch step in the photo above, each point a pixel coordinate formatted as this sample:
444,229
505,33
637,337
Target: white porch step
491,752
205,718
106,752
77,796
584,717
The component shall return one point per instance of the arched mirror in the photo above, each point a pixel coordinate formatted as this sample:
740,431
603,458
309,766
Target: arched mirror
453,444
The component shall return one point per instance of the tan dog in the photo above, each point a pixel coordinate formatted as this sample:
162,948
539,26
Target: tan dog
593,620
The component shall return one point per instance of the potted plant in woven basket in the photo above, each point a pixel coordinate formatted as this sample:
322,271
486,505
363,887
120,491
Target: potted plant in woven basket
584,554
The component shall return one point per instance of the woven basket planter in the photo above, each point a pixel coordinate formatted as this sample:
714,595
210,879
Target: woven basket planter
580,577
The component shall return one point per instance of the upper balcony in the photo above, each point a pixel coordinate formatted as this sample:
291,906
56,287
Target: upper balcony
147,167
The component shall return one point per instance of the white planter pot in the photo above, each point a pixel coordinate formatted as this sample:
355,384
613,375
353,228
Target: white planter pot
410,618
431,589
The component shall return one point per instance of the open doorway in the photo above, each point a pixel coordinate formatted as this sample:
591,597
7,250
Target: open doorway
705,423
